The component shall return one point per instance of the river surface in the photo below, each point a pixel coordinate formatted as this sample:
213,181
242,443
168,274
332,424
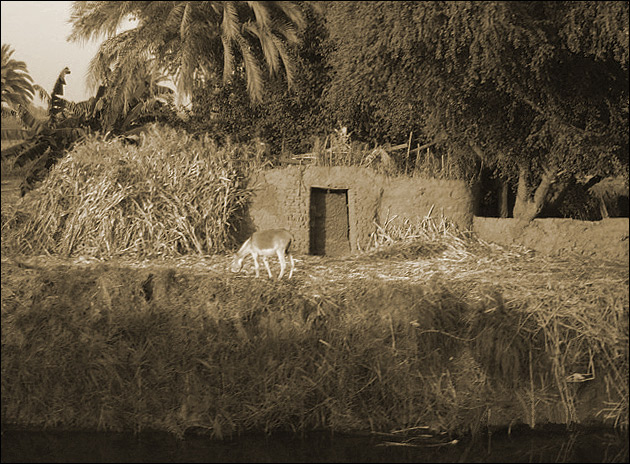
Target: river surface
549,445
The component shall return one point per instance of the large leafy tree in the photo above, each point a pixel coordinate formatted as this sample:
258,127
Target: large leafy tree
376,88
536,90
17,84
284,119
191,41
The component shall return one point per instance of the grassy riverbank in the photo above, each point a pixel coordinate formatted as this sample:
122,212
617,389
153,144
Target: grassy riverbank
455,343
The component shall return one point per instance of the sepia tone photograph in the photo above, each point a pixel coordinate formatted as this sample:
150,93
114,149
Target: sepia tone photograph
315,231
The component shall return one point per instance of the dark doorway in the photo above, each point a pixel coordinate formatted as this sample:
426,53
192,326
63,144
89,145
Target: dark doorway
495,196
329,225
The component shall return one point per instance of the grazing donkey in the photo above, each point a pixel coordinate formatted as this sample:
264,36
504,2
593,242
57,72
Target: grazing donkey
265,243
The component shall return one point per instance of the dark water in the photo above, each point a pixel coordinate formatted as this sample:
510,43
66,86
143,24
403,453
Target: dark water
549,445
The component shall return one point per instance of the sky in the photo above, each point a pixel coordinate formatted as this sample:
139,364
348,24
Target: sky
37,33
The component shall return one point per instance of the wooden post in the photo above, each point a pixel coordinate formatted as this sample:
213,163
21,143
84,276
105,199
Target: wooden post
408,150
417,158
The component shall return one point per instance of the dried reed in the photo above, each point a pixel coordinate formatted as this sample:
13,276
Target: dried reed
170,195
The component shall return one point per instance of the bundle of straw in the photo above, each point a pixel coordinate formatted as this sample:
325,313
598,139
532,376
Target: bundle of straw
170,195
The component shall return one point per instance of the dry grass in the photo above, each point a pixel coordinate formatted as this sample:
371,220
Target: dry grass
338,149
450,341
171,195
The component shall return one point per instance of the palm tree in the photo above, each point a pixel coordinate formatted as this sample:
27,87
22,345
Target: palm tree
17,84
190,40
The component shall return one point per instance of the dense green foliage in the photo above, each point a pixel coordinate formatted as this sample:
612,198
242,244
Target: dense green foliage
286,119
114,111
378,73
482,71
47,139
538,90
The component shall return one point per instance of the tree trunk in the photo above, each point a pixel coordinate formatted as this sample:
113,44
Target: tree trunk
526,207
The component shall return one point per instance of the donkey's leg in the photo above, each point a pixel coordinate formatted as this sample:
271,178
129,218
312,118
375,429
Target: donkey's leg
267,266
283,263
292,265
256,265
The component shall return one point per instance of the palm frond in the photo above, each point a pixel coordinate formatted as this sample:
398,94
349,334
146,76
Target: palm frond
14,133
71,132
191,40
31,153
228,59
229,33
42,93
17,84
59,83
120,51
293,12
57,102
15,149
95,20
184,27
289,66
230,23
286,30
174,17
8,111
82,110
252,71
267,44
28,119
261,13
143,108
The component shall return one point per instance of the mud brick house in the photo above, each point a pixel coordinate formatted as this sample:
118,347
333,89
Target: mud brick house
331,210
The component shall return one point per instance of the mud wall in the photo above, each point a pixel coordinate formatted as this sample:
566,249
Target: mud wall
606,239
282,199
415,197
